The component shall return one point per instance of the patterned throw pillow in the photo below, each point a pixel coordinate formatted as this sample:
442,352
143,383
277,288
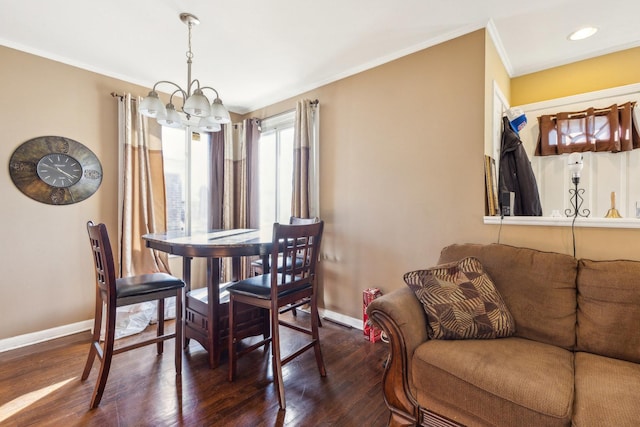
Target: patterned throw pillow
461,301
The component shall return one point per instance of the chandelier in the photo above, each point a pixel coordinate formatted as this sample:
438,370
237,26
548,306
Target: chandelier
196,109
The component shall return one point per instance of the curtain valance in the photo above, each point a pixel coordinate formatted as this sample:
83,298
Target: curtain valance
606,129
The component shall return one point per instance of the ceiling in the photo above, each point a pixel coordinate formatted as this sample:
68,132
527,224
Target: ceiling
257,52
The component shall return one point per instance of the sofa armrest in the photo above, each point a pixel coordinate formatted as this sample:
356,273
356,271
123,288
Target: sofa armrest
401,316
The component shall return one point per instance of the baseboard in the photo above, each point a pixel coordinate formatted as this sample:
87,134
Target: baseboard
341,319
46,335
7,344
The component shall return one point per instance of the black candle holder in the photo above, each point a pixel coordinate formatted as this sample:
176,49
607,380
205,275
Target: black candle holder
576,200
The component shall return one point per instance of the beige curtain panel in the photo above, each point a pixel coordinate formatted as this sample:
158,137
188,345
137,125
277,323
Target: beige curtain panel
608,129
143,191
302,140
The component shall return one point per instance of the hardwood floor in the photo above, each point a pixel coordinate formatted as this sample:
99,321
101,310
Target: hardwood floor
40,385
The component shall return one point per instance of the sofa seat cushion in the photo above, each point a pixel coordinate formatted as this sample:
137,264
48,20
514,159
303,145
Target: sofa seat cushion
607,391
507,381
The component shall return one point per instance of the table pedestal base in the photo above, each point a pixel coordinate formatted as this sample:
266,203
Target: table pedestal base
251,321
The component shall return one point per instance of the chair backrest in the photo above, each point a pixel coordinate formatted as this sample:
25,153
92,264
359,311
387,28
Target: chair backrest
301,244
294,220
301,221
103,260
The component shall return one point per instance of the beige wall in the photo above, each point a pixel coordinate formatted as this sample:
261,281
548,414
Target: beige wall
401,171
46,278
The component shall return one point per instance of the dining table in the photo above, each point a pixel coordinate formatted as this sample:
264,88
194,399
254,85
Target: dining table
206,308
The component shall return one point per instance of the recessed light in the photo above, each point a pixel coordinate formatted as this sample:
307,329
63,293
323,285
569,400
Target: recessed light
582,33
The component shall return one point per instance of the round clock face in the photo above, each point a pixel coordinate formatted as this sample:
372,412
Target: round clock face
55,170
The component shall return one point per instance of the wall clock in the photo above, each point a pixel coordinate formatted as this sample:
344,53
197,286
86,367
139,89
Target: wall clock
55,170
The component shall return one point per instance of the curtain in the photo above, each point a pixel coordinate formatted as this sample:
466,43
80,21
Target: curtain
142,207
304,198
217,181
240,182
607,129
143,191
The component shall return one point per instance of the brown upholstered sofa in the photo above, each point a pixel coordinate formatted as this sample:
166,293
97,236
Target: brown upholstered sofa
573,360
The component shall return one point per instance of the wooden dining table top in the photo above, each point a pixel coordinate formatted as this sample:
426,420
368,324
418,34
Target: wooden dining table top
214,244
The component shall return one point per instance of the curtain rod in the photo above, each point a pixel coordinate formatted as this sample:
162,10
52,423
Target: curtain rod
315,102
121,96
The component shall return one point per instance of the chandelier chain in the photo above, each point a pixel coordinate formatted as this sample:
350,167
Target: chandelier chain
189,52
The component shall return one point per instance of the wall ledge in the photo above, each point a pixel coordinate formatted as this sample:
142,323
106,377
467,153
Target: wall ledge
564,221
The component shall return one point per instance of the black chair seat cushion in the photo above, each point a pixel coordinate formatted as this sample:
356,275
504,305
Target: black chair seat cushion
260,286
143,284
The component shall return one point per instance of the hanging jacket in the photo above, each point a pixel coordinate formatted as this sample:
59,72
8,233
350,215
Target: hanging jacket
516,174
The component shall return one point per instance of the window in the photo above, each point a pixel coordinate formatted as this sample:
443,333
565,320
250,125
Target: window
275,169
186,169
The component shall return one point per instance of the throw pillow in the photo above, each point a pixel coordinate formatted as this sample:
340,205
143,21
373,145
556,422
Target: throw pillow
461,301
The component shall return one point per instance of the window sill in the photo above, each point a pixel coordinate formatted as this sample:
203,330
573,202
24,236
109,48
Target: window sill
564,221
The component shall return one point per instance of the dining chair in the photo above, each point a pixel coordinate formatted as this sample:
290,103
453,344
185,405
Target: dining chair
258,268
113,293
276,289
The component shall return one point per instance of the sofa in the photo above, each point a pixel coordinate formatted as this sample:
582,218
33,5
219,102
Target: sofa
572,358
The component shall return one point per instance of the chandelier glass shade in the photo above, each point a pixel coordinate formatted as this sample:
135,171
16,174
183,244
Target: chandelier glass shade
196,109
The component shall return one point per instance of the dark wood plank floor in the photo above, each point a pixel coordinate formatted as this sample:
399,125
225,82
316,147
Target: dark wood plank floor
40,385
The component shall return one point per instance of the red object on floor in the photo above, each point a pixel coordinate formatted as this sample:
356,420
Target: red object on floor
371,333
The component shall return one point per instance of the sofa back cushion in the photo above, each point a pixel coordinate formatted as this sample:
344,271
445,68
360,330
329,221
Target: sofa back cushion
609,308
539,288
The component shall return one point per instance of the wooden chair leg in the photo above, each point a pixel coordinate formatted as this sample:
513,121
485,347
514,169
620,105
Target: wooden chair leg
232,339
160,328
315,333
266,329
276,357
107,355
179,326
95,339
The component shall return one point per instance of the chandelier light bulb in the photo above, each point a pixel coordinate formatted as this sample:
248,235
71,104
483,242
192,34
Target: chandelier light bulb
219,113
170,118
151,106
208,124
197,104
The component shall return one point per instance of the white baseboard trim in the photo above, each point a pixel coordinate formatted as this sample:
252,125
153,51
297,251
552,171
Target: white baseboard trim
46,335
12,343
349,321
